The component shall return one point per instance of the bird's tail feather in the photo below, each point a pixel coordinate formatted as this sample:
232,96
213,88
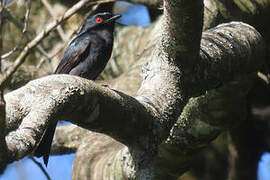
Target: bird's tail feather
44,147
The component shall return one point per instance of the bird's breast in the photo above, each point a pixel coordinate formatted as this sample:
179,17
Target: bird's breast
106,35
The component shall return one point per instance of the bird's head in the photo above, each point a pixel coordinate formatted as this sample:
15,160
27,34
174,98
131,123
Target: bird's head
105,19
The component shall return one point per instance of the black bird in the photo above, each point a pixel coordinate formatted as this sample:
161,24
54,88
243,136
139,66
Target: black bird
86,56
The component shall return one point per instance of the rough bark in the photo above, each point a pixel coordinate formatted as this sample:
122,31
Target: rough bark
201,121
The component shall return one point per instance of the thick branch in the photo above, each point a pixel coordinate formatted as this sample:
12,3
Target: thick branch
218,46
182,30
172,61
68,138
118,114
201,121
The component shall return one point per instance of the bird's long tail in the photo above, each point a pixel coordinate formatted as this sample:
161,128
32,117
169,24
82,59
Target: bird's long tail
44,147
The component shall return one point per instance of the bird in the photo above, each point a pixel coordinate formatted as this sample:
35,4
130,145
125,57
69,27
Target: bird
86,56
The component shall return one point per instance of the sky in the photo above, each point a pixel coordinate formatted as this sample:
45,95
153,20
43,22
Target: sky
134,14
264,167
59,167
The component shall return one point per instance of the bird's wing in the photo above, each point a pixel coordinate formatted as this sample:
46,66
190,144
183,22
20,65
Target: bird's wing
73,54
99,54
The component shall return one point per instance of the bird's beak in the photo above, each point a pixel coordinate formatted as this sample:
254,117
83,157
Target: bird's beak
113,18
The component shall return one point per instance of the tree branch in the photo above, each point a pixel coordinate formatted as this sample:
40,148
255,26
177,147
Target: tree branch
68,138
54,15
171,64
106,105
202,120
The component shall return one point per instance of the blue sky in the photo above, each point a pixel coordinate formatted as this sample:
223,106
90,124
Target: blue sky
59,167
264,167
134,14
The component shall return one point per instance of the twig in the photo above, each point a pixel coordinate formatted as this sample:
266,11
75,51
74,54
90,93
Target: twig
263,77
59,28
19,25
26,19
8,5
49,57
41,167
21,58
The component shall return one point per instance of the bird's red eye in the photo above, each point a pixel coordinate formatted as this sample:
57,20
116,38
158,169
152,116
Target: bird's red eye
99,20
